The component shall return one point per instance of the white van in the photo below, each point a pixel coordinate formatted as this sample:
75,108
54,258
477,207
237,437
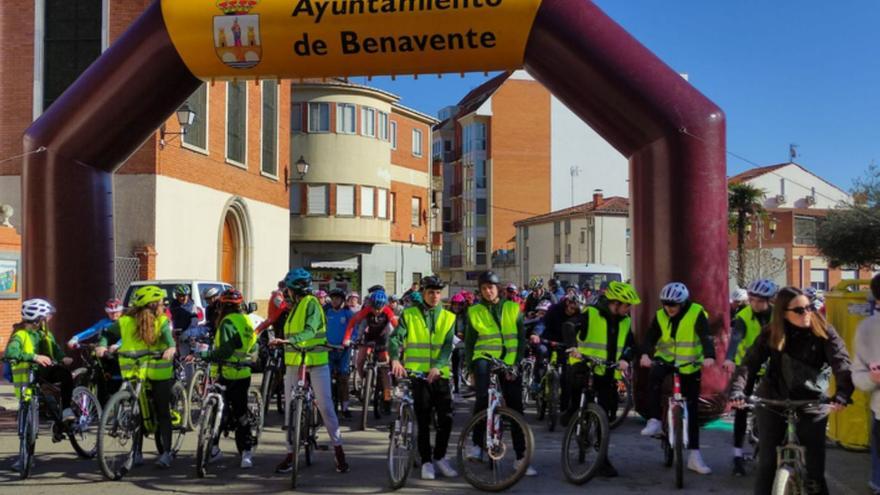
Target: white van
586,275
197,290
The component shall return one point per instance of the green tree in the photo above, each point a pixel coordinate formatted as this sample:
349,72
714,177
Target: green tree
851,236
744,204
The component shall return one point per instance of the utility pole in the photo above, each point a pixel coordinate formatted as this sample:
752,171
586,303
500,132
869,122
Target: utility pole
575,171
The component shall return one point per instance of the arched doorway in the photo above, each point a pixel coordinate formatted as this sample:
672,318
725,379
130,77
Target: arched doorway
229,252
234,246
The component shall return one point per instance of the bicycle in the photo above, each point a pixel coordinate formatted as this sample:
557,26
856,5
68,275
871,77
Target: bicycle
791,464
402,438
215,421
93,375
674,438
83,403
588,431
128,417
499,421
527,370
302,422
272,383
371,393
547,401
624,398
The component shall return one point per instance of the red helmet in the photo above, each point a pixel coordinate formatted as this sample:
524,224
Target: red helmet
231,296
113,306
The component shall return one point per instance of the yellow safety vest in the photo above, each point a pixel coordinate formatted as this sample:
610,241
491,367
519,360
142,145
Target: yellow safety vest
151,369
686,345
492,340
21,371
596,343
296,322
423,347
241,355
753,329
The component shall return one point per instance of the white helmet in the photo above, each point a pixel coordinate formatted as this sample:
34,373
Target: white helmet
763,288
739,295
36,309
675,292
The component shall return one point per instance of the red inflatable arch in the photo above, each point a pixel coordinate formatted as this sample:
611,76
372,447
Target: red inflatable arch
673,135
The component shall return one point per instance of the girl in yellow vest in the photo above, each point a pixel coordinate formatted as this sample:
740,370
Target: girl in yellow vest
680,334
234,342
146,328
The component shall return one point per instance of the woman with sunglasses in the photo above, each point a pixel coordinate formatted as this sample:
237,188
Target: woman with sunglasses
799,346
680,335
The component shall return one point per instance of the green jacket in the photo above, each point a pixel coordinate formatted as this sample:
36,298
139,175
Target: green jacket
114,333
398,336
313,324
231,341
471,334
46,345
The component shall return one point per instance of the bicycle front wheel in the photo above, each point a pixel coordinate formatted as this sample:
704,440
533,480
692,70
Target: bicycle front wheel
255,416
118,435
307,431
266,388
367,397
553,402
401,448
501,471
294,428
179,416
28,420
678,445
585,445
207,419
787,482
83,433
195,393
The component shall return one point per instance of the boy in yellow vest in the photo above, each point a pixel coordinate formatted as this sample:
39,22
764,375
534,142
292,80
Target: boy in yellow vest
746,327
680,334
424,334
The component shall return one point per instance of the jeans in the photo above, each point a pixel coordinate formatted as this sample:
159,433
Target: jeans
875,455
432,400
741,417
456,368
237,401
690,388
811,435
512,393
340,367
319,377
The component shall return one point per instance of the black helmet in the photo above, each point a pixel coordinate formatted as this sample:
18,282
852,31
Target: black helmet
337,292
432,282
488,277
375,288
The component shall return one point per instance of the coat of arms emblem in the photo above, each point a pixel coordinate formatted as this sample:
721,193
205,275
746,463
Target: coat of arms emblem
237,34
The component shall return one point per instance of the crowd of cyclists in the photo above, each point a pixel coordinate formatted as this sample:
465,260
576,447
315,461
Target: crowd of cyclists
781,347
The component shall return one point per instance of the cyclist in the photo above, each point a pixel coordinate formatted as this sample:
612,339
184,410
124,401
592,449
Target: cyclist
113,309
278,304
745,330
496,328
425,337
184,317
816,300
556,289
338,315
146,328
396,305
307,327
604,334
866,376
322,298
537,295
376,328
211,297
680,334
234,342
366,310
536,328
458,306
353,301
739,299
512,294
799,348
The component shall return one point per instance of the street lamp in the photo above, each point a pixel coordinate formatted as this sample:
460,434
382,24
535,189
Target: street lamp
185,118
302,168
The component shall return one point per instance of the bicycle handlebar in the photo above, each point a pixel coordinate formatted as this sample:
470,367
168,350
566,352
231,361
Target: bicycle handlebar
320,347
676,367
499,365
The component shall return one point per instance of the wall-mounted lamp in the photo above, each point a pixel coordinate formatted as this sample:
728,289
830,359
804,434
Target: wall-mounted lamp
185,118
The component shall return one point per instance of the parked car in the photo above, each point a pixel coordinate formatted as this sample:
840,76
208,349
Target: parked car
197,291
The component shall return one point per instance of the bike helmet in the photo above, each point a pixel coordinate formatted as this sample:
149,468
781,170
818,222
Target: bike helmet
416,298
488,277
811,293
299,280
458,299
524,294
181,290
763,288
375,288
378,299
337,293
354,295
320,293
231,297
34,310
211,293
146,295
113,306
432,282
674,292
543,305
536,283
622,292
512,288
739,295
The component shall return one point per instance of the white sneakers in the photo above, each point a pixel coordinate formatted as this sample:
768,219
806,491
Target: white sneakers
247,459
530,471
67,415
653,428
474,453
445,468
696,463
216,454
428,471
164,461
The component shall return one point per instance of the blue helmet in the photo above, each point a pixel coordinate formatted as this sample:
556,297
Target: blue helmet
378,299
675,292
763,288
298,280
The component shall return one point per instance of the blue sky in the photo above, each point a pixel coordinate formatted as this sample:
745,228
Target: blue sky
784,71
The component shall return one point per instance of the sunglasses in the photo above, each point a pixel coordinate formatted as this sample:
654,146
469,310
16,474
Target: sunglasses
670,304
801,310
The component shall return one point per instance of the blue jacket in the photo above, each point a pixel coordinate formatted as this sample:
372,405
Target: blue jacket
92,332
337,321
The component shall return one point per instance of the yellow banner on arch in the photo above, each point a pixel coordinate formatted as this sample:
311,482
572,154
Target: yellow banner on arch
325,38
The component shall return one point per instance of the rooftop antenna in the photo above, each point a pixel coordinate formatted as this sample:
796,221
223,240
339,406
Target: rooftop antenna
792,152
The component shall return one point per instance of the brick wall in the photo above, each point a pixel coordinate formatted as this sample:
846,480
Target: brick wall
10,309
403,156
402,227
16,80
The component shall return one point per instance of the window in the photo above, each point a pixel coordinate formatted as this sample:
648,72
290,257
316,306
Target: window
393,207
568,253
849,273
391,281
296,118
474,138
317,199
526,232
480,174
367,201
393,135
72,41
197,134
383,126
295,199
557,228
583,236
368,121
344,201
345,118
416,212
417,277
481,251
805,231
526,253
481,212
236,122
269,163
819,278
383,203
568,226
417,142
319,117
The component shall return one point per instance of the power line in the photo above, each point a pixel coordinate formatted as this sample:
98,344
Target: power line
22,155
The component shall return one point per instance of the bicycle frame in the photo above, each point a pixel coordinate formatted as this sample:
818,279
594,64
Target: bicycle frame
677,400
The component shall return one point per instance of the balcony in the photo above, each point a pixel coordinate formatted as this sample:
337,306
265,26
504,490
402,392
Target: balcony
455,261
452,227
504,257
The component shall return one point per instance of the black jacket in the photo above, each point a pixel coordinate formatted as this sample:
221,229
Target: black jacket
701,327
583,325
183,316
